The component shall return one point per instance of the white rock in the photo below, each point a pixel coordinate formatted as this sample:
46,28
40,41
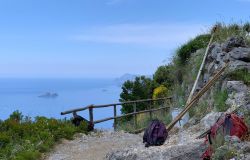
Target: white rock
210,119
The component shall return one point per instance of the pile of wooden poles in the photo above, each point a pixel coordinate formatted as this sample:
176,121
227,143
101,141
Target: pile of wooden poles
205,88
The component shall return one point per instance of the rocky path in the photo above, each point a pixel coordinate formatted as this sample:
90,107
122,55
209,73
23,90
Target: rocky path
94,146
182,145
120,145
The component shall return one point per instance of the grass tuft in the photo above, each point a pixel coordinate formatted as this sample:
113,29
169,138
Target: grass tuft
220,98
240,75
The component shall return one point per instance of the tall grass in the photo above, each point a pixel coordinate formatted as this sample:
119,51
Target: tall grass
224,31
143,121
220,98
240,75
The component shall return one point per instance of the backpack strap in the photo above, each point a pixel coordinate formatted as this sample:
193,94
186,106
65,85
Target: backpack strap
209,137
151,130
228,124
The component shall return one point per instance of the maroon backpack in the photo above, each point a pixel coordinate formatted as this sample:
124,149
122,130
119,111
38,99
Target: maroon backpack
155,134
228,124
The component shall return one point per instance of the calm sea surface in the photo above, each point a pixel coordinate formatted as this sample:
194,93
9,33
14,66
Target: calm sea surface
23,95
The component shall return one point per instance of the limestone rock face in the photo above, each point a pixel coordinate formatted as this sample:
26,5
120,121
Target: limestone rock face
237,53
210,119
240,53
215,49
238,94
232,43
236,86
233,50
237,64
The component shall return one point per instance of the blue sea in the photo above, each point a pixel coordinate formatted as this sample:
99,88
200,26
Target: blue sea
23,95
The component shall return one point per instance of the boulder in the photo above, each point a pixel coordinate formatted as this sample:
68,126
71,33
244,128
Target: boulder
236,86
210,119
220,57
211,68
216,48
240,53
238,95
232,43
237,64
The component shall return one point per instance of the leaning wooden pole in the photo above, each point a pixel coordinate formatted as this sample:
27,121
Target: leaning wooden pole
200,70
197,96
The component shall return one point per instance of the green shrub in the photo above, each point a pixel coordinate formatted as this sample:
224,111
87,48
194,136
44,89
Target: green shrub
28,155
184,52
23,139
141,88
163,76
224,153
17,116
4,139
160,92
220,98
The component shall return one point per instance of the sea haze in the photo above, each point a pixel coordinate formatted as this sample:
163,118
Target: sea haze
23,95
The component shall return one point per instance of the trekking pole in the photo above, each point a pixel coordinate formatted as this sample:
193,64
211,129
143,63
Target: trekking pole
198,95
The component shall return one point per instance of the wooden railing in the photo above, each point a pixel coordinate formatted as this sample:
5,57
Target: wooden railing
114,105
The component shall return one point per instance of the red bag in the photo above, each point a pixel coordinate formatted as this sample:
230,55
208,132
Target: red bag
228,124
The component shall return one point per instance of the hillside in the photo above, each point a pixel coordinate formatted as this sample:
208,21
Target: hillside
231,91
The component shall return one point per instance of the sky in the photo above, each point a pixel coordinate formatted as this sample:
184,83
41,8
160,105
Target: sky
102,38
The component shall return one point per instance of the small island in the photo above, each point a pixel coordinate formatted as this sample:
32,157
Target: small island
48,95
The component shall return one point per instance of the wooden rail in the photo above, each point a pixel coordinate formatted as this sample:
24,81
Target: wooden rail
114,105
130,114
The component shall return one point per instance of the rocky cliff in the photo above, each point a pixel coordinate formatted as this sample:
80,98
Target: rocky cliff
235,84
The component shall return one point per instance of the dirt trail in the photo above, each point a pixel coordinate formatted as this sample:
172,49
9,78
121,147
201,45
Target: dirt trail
98,145
93,147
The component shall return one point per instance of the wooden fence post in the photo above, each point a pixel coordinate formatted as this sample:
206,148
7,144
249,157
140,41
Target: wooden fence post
135,117
115,123
150,107
91,118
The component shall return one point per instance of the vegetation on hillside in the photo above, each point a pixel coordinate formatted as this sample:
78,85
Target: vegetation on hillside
220,98
240,74
163,76
160,92
179,75
224,31
140,88
22,138
184,52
